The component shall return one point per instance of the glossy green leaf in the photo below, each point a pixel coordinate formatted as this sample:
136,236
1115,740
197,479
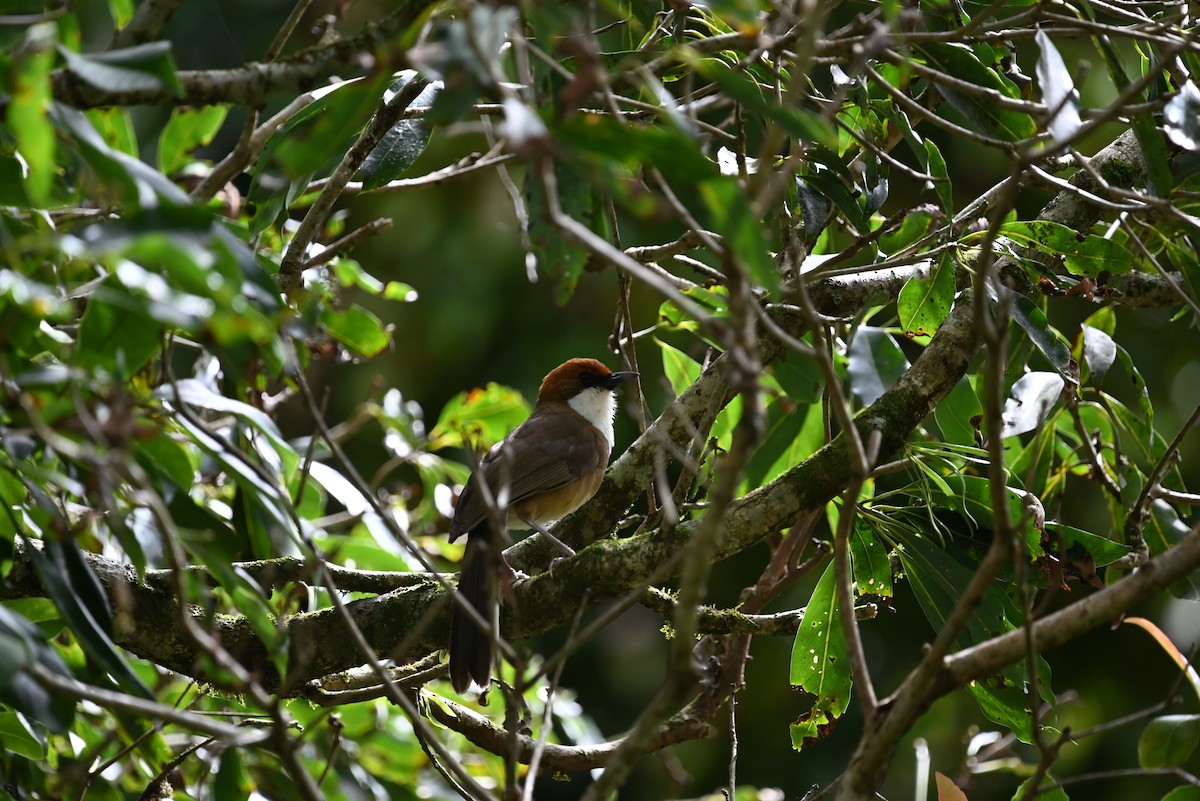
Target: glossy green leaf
129,179
1032,398
358,329
983,115
163,455
972,497
558,256
875,363
820,664
668,149
1047,339
18,738
403,143
792,435
188,129
1186,792
1168,741
682,371
318,136
1058,90
924,302
146,67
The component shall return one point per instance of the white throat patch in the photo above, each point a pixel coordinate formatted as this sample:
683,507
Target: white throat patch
597,405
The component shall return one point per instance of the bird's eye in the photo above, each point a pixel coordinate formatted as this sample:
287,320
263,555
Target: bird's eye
587,378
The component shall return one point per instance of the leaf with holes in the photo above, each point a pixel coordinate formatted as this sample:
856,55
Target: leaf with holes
820,664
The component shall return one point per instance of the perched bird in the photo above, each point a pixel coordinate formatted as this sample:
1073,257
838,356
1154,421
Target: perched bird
546,468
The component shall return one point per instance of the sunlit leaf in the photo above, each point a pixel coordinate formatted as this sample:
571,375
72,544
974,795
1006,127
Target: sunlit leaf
1033,397
1058,90
924,302
1181,117
358,329
478,418
820,664
187,129
1088,256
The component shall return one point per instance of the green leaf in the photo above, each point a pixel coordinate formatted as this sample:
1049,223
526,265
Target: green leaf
1185,793
1088,256
983,115
632,144
29,106
971,496
188,129
1102,550
1168,741
957,415
17,737
1164,530
358,329
820,664
403,143
1046,790
143,68
22,646
682,371
112,336
480,417
924,302
915,225
323,130
872,563
129,179
744,234
558,256
69,581
801,123
163,455
938,580
195,393
792,436
935,165
875,363
1048,340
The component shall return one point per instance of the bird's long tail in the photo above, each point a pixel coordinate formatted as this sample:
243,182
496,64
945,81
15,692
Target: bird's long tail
470,645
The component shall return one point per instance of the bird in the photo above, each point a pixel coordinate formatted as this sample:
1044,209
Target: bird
545,468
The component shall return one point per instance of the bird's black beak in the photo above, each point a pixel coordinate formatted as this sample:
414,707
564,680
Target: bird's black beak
616,379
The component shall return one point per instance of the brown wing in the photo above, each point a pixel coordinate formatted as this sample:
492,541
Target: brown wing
542,454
